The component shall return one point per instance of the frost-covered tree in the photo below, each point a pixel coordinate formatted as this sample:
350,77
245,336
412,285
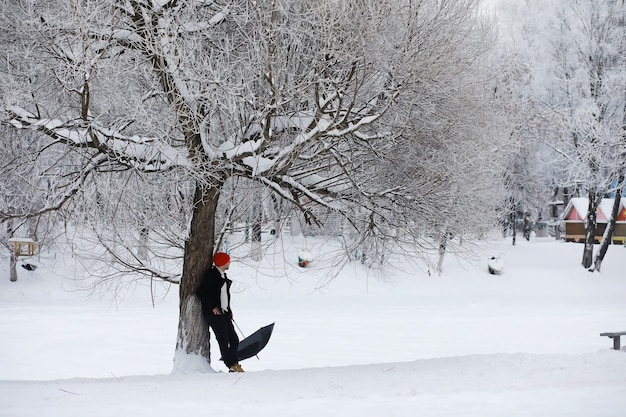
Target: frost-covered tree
453,165
576,53
23,188
286,94
589,79
531,165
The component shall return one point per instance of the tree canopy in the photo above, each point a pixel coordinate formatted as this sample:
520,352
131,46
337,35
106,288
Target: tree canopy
164,106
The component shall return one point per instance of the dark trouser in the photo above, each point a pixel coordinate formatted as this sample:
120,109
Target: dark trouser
226,336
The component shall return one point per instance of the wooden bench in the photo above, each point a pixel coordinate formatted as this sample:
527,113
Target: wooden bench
619,240
615,336
581,238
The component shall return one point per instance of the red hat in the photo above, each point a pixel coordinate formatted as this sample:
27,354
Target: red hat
221,259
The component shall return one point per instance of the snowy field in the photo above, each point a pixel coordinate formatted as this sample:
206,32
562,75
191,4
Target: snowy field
525,343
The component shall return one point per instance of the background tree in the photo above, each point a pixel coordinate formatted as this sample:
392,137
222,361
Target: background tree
588,49
453,165
575,50
534,165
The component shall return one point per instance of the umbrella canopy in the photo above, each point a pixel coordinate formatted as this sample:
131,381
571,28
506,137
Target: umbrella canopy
254,343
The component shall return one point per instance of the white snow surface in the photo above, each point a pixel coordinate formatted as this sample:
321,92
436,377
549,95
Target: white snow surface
467,343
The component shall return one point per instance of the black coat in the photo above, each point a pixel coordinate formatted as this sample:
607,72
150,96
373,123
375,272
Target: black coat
210,290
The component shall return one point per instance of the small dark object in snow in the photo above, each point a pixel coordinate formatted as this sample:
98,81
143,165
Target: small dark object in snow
29,267
495,265
304,258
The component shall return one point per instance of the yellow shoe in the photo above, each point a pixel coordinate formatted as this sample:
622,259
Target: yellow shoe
236,368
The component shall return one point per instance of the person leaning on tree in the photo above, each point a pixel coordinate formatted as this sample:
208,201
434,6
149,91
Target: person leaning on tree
214,294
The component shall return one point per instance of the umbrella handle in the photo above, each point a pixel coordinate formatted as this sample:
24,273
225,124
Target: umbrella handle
237,326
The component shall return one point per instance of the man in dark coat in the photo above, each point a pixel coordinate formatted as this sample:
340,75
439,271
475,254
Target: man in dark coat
214,294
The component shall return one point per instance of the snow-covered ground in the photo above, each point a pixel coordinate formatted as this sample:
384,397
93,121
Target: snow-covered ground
467,343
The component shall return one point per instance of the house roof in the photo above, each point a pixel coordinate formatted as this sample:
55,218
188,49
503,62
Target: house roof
576,210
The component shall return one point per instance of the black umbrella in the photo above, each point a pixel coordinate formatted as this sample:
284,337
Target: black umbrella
254,343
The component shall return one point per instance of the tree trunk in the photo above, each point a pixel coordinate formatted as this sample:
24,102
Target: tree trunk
12,267
607,238
514,223
142,249
590,229
257,228
13,260
443,243
192,345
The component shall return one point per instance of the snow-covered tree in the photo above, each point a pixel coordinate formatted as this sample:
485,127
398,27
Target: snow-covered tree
453,165
286,94
575,51
588,82
24,188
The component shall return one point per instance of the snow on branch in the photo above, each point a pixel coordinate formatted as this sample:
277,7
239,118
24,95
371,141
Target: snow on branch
146,154
290,189
353,127
259,155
